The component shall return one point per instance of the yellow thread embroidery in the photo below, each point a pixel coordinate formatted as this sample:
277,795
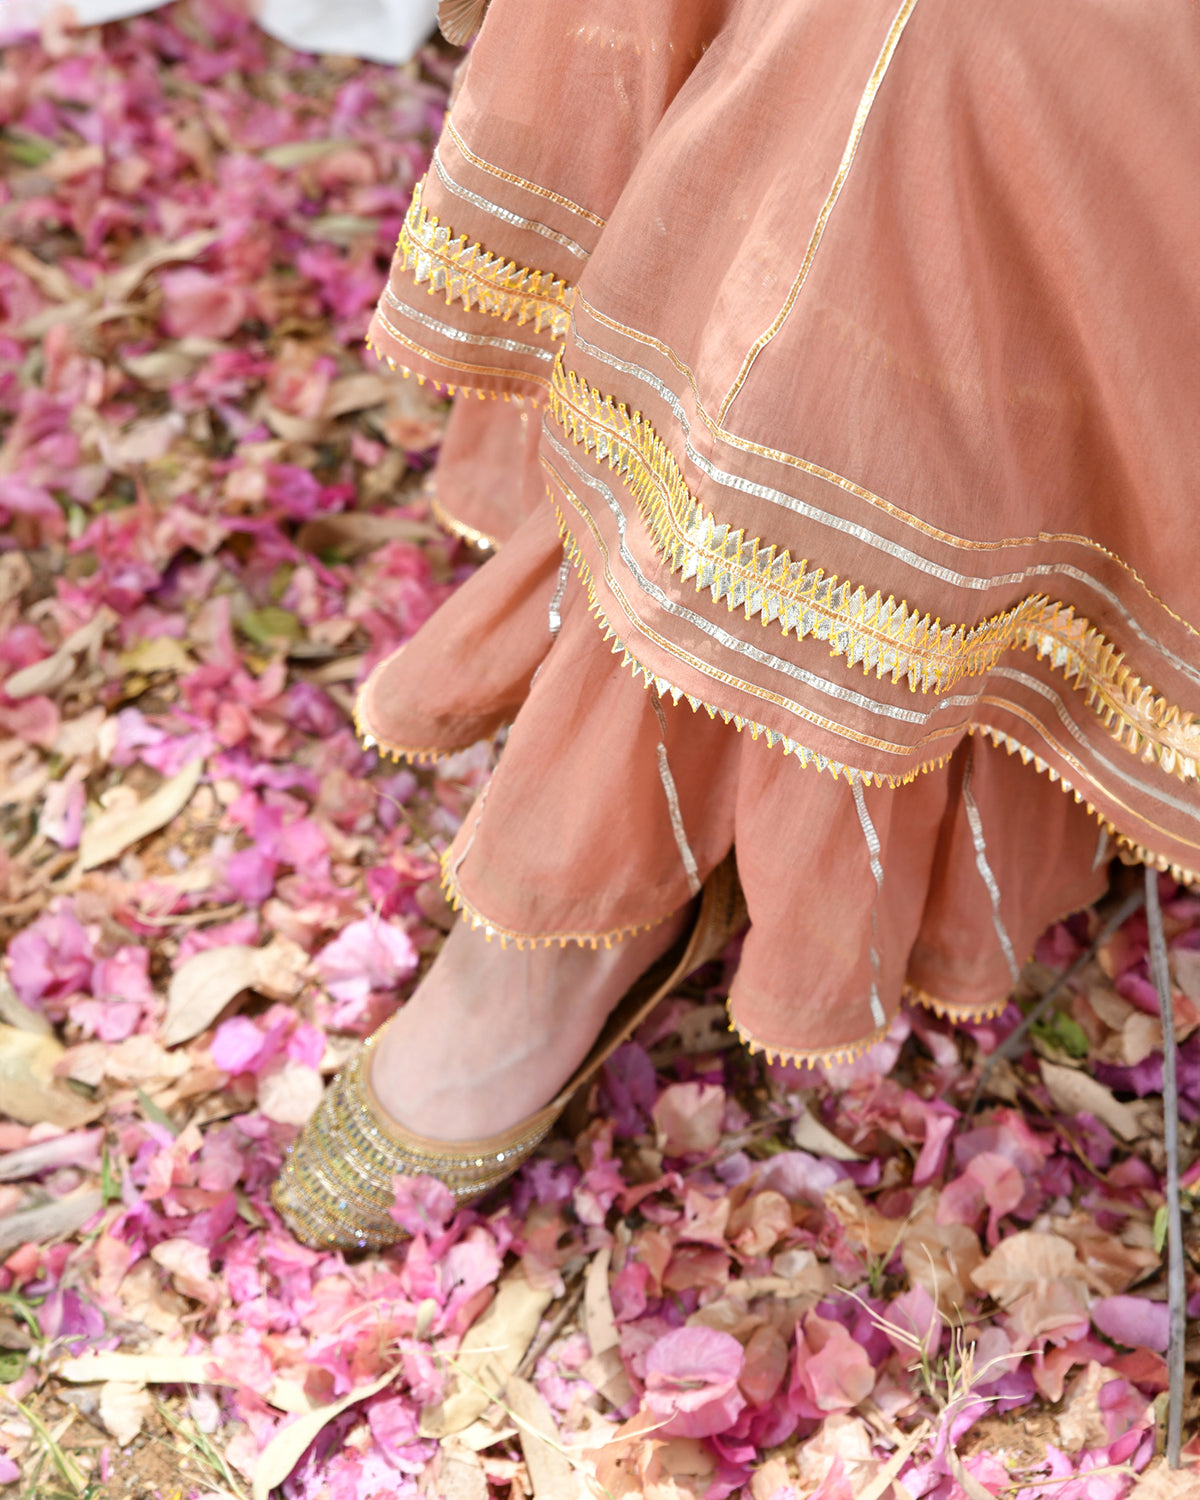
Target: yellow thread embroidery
844,1052
881,634
475,277
1128,848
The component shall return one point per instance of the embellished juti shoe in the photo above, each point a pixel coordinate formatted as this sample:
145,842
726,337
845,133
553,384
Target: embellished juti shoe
336,1186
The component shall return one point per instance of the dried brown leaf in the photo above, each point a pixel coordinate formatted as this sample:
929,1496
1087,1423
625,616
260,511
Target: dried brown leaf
28,1086
550,1472
488,1355
53,671
286,1448
207,982
124,1408
1076,1092
599,1322
48,1221
109,835
810,1135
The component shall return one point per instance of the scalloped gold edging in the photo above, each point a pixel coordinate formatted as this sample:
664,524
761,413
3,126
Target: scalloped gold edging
371,741
948,1011
1128,849
478,279
1139,853
804,1057
878,633
460,529
523,940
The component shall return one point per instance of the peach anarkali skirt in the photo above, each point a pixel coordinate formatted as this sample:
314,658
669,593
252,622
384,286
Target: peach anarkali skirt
840,483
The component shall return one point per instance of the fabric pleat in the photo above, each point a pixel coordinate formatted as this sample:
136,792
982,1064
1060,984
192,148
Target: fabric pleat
848,359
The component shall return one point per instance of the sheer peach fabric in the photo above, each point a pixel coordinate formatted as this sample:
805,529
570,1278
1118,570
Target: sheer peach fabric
854,358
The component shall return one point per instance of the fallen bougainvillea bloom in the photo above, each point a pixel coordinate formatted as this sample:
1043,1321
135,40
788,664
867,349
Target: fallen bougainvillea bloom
734,1279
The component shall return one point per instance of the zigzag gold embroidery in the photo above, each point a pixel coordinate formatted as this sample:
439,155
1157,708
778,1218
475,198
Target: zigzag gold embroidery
475,277
880,634
1129,849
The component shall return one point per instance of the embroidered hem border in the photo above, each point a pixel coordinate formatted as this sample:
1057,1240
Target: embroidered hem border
475,277
1126,846
880,634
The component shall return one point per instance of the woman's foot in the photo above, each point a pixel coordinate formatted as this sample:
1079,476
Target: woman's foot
491,1034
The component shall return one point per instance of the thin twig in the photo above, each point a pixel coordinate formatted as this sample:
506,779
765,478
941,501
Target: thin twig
1011,1043
1176,1292
572,1297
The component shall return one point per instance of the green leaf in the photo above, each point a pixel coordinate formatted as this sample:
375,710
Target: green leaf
271,627
27,149
1065,1033
20,1308
1160,1228
12,1365
152,1112
110,1181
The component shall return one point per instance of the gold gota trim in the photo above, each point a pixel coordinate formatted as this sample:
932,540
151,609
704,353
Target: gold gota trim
460,529
1137,853
469,912
803,754
475,277
880,634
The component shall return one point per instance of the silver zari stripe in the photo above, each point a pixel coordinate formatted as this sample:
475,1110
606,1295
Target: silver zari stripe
975,822
516,220
564,572
878,1014
672,796
864,534
460,336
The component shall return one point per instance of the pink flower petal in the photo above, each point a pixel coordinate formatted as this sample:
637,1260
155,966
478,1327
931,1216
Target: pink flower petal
1135,1322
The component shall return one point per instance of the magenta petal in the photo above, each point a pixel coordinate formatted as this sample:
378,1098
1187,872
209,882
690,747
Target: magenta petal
237,1045
1135,1322
693,1373
422,1204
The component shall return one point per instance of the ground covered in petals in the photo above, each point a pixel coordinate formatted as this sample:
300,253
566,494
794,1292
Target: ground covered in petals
723,1279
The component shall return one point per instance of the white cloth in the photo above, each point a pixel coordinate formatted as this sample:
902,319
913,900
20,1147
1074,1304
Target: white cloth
386,31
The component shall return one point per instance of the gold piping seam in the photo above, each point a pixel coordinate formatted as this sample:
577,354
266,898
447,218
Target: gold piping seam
521,182
460,529
458,388
475,277
1138,853
522,940
882,62
879,633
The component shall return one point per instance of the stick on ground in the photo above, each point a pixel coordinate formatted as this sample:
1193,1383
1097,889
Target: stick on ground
1176,1291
